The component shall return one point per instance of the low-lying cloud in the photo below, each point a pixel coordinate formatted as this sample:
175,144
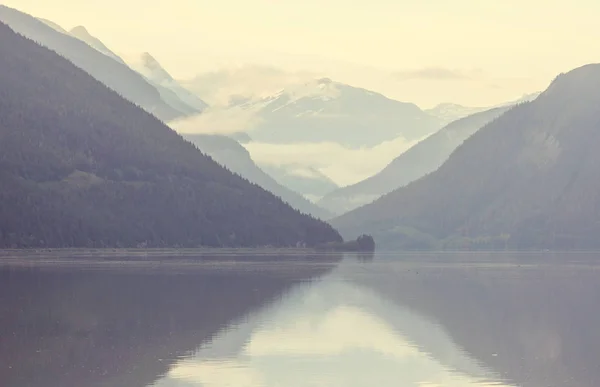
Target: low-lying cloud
343,165
218,121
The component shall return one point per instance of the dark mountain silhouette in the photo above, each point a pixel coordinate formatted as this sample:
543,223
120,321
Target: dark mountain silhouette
105,69
423,158
530,179
229,153
81,166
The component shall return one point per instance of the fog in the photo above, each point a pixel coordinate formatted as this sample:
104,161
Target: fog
520,46
343,165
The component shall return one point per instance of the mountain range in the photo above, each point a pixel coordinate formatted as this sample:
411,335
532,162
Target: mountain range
227,152
105,69
326,111
80,166
527,180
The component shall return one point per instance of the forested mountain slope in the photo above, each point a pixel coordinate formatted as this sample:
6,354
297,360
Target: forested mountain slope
105,69
81,166
229,153
529,179
423,158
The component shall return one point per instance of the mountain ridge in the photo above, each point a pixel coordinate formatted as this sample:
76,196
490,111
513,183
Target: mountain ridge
81,166
115,75
526,180
419,160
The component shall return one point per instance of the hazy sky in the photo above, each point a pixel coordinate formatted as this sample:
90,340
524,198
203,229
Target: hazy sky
475,52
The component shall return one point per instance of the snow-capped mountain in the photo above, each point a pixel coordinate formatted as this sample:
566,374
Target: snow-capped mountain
326,111
449,112
249,82
151,69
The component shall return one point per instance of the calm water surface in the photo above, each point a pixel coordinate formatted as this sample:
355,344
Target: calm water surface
391,320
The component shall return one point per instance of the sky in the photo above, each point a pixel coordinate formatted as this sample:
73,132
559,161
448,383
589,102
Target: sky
472,52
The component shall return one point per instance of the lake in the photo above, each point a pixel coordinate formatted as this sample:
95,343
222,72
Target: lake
268,320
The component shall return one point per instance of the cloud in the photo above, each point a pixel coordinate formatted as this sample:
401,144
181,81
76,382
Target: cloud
342,165
218,121
432,73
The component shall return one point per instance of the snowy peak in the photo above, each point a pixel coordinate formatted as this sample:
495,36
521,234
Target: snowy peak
317,90
322,110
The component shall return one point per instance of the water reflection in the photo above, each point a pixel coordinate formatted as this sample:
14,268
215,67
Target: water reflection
125,326
332,334
532,319
402,320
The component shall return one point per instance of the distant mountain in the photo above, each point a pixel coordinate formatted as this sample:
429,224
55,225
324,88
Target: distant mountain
449,112
105,69
245,83
306,180
171,90
82,34
166,92
53,25
327,111
82,167
423,158
229,153
529,179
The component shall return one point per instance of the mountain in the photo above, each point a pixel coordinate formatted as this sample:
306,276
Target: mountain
112,73
171,90
449,112
82,167
81,33
229,153
326,111
306,180
53,25
247,82
529,179
423,158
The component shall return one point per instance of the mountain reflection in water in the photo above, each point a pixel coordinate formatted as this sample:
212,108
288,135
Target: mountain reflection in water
403,320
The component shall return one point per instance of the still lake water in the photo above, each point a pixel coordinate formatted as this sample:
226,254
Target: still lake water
447,320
